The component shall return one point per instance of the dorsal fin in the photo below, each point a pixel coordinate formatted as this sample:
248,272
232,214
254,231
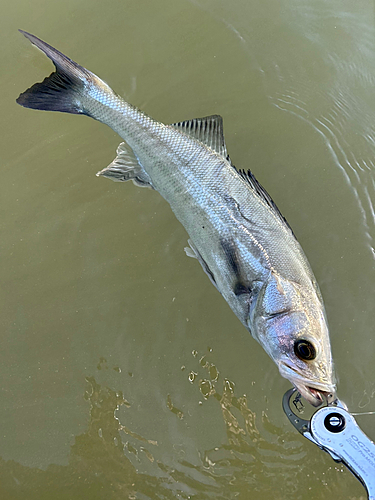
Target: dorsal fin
208,130
262,193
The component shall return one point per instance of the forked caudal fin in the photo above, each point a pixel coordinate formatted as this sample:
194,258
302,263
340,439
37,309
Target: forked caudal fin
64,89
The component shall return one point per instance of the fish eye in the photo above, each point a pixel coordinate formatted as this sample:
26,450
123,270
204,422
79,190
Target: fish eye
304,350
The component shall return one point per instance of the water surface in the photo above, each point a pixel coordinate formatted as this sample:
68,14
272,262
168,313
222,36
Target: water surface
124,373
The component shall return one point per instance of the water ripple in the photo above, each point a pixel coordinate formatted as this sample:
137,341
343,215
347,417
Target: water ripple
350,143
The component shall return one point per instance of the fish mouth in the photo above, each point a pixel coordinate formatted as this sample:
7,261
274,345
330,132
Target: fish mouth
315,393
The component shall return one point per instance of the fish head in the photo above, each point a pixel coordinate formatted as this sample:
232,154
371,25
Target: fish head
289,321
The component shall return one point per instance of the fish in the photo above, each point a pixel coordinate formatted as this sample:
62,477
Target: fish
236,232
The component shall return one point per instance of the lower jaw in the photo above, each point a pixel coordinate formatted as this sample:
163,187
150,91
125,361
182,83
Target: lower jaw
315,397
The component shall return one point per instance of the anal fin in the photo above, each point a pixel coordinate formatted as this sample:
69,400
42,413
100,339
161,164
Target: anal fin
126,167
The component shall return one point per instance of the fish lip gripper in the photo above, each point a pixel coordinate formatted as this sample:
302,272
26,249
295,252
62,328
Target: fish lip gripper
334,430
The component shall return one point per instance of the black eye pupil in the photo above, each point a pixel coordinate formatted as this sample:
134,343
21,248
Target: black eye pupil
304,350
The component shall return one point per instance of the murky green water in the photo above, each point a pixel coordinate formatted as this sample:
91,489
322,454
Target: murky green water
123,372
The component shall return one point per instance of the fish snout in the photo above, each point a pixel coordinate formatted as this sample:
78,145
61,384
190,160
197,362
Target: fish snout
316,392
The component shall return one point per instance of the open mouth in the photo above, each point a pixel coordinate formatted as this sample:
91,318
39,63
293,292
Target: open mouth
316,394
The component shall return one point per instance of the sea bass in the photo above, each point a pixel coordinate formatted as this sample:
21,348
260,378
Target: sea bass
237,233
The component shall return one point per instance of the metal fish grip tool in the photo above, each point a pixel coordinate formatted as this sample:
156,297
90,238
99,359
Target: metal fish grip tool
334,430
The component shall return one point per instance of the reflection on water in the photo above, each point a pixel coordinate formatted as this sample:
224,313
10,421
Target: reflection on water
345,93
110,460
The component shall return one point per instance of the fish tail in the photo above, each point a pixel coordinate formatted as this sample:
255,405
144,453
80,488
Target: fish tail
65,89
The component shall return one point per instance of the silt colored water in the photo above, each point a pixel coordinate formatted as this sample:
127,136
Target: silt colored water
124,373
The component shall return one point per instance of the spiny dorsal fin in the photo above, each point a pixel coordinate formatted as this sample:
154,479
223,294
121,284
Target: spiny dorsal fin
262,193
208,130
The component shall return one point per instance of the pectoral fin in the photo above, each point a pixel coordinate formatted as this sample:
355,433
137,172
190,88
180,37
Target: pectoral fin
241,286
126,167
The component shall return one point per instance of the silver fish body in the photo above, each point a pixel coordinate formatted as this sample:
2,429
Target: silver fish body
236,232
